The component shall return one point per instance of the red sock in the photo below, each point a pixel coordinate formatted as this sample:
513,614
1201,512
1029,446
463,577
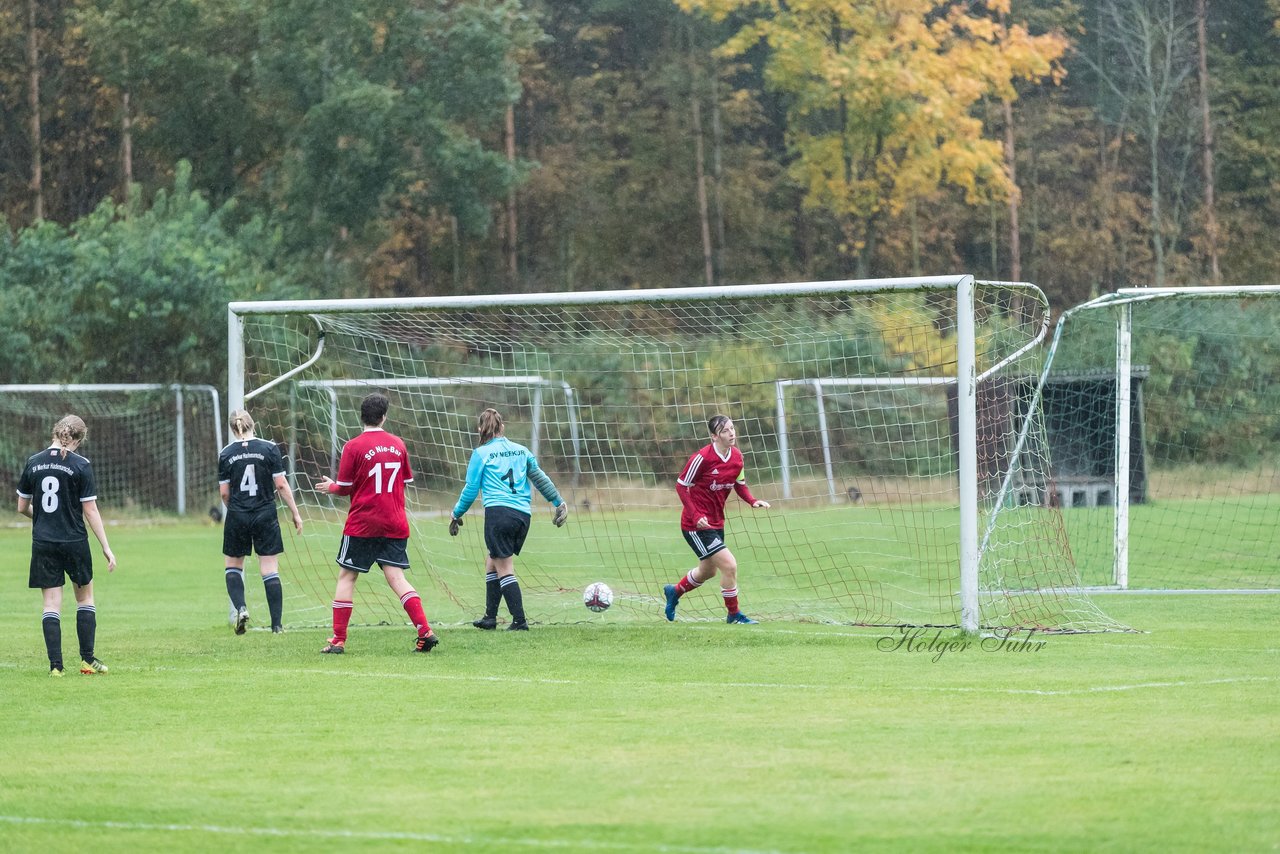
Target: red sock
341,617
413,607
686,584
730,595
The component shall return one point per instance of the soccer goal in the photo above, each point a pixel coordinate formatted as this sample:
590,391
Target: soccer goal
1162,407
153,447
884,491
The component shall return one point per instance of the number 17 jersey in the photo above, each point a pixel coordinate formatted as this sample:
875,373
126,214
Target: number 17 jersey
375,468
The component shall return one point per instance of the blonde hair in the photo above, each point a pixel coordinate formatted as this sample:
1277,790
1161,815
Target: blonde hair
70,430
489,424
241,423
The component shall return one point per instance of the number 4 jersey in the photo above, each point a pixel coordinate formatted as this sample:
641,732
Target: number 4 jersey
374,470
250,467
55,485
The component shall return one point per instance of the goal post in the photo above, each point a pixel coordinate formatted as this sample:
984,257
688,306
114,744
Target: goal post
632,378
151,444
1179,430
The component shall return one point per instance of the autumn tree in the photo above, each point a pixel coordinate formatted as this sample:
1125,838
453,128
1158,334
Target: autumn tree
883,98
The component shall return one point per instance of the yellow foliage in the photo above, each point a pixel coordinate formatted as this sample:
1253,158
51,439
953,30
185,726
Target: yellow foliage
743,376
910,76
910,334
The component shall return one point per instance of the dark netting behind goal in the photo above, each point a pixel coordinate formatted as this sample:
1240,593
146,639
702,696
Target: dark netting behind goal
846,409
154,448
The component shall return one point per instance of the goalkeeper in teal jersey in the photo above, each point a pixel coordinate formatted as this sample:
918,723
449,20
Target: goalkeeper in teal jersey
503,471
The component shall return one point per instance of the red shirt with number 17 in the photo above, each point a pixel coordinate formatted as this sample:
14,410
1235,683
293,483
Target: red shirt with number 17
373,471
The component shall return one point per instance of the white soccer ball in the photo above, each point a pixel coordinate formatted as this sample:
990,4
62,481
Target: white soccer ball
597,597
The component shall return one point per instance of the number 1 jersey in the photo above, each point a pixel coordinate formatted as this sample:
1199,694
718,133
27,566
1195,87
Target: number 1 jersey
374,470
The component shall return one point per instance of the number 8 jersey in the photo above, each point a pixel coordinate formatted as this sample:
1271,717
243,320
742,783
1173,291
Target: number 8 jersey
55,486
374,470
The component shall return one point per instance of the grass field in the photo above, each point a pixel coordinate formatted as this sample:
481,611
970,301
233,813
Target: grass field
1227,543
634,736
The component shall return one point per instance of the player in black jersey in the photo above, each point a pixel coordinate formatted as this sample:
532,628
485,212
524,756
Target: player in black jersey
250,475
57,492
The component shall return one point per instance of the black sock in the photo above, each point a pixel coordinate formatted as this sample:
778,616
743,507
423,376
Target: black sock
492,596
515,602
235,587
86,628
275,598
52,626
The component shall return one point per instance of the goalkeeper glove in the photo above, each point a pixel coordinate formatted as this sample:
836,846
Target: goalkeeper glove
562,513
454,524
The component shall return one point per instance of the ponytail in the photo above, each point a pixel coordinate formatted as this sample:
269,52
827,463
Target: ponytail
69,431
241,424
489,424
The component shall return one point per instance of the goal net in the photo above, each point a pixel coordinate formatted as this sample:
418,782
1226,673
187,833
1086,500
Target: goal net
885,483
151,445
1177,487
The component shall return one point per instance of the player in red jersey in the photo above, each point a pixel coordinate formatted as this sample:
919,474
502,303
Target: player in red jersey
373,471
703,487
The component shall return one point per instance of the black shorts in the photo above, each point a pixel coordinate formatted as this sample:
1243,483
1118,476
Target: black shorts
257,533
50,562
504,531
706,542
360,553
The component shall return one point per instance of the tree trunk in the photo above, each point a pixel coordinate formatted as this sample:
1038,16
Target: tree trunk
455,234
511,241
717,173
126,136
992,209
914,223
1015,198
1157,238
126,143
1211,217
1016,306
700,172
862,259
33,98
862,267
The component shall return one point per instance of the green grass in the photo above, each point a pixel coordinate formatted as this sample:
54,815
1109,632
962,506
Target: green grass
635,736
1227,543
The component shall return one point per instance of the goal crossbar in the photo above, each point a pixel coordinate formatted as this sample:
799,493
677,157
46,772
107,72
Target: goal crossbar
349,306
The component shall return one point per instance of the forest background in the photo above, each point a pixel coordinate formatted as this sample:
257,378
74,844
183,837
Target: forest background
161,157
